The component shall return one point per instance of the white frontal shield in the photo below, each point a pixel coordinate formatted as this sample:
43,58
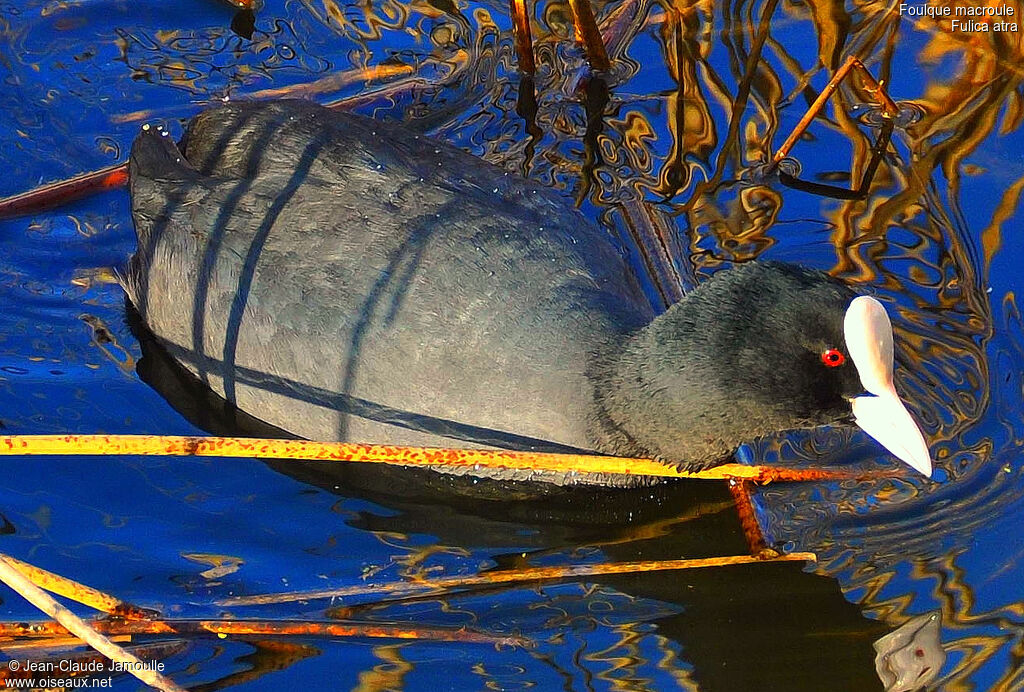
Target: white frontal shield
883,416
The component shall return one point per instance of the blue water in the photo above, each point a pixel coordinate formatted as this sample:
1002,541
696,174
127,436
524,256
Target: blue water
937,238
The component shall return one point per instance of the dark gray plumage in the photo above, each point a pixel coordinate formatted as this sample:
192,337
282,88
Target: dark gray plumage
291,255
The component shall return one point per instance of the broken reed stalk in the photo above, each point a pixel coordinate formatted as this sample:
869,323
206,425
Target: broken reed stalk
150,622
533,574
304,450
652,236
332,82
64,191
523,36
740,491
69,622
889,107
296,628
587,33
618,25
75,591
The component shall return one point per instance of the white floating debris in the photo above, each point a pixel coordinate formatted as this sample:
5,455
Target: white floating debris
911,657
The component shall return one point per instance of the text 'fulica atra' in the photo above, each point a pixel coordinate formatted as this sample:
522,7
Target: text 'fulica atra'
344,279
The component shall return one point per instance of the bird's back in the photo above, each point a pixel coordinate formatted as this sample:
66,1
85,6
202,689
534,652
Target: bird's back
297,257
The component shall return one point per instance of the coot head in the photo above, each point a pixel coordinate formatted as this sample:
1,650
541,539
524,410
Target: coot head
758,348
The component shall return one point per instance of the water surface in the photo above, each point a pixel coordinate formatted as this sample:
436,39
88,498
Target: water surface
655,145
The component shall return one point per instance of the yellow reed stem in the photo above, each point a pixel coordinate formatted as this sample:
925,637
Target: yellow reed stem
253,448
80,593
328,84
889,107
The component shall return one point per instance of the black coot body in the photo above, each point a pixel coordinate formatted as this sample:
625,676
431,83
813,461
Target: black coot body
344,279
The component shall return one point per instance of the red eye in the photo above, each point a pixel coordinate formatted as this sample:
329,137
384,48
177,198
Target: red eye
833,358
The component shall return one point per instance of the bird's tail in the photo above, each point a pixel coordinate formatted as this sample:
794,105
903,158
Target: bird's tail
155,156
159,178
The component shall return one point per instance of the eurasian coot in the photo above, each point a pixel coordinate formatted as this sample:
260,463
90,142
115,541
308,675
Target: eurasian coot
345,279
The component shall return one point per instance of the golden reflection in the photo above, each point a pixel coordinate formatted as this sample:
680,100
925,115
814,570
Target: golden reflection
670,663
387,675
557,19
361,21
689,116
624,660
740,225
268,656
992,236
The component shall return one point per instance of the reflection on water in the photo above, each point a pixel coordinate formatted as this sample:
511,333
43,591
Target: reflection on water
668,150
911,656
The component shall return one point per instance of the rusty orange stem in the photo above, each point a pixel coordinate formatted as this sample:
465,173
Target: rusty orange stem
532,574
889,107
589,35
523,35
55,194
298,628
759,549
253,448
